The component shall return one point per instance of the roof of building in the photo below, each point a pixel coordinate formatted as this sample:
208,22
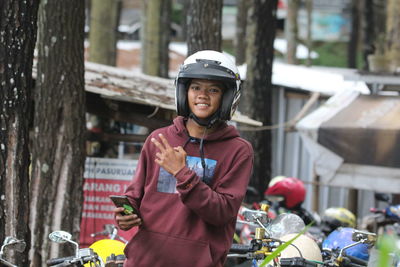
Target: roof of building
124,85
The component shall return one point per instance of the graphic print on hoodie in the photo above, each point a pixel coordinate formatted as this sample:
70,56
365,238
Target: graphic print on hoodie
167,183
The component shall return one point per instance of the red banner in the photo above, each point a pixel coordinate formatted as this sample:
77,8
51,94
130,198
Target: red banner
103,177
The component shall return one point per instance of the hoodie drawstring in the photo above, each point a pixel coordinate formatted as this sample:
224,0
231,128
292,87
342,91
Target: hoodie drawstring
201,150
187,141
203,162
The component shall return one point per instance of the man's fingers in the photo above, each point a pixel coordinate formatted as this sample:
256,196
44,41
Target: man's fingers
128,223
179,149
158,144
118,210
164,141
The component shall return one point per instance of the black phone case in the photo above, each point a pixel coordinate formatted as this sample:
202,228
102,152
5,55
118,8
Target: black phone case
120,201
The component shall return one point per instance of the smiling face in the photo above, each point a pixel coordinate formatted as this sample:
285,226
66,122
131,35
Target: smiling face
204,97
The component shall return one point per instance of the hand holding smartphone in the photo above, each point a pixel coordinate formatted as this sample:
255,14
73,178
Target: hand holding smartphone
122,201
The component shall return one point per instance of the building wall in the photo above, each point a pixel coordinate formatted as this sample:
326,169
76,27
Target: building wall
290,158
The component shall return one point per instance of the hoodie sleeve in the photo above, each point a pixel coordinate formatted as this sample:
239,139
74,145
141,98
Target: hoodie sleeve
217,205
135,190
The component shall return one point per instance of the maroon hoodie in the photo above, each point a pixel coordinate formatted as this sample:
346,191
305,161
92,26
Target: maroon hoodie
190,223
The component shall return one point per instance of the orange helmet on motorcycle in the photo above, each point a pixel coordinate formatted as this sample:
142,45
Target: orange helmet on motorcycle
291,190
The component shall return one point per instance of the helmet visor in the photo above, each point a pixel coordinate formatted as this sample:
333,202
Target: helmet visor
207,69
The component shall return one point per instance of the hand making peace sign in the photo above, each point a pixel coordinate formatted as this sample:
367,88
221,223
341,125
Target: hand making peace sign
172,159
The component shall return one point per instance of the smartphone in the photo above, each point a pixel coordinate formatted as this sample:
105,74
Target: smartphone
123,201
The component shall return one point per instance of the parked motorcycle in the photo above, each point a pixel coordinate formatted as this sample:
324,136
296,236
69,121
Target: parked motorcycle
383,221
332,219
287,194
386,223
347,247
102,253
82,255
111,248
269,234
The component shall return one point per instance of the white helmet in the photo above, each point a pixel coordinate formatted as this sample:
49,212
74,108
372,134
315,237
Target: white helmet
303,246
210,65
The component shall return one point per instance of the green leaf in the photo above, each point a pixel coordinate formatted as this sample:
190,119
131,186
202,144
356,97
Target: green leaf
386,245
279,249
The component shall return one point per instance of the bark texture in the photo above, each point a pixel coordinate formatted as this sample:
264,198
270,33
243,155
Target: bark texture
104,20
354,34
59,128
374,25
240,37
155,36
204,22
291,31
393,33
257,91
17,42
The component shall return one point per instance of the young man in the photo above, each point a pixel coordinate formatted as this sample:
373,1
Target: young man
192,175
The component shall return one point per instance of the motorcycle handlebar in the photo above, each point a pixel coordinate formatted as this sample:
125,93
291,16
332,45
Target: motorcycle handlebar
355,262
99,233
6,263
56,261
240,248
354,265
375,210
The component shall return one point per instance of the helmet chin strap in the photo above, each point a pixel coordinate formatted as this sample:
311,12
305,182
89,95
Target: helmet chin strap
208,122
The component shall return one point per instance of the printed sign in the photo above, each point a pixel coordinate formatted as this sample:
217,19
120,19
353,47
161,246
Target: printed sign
103,177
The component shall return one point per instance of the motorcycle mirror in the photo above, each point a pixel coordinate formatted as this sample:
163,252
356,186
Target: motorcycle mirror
60,236
364,237
109,228
18,245
382,197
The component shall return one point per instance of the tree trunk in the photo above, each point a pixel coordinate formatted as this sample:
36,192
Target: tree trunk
309,41
368,22
291,31
185,11
393,23
393,33
155,36
17,42
204,22
240,37
58,153
353,43
104,20
374,18
257,93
